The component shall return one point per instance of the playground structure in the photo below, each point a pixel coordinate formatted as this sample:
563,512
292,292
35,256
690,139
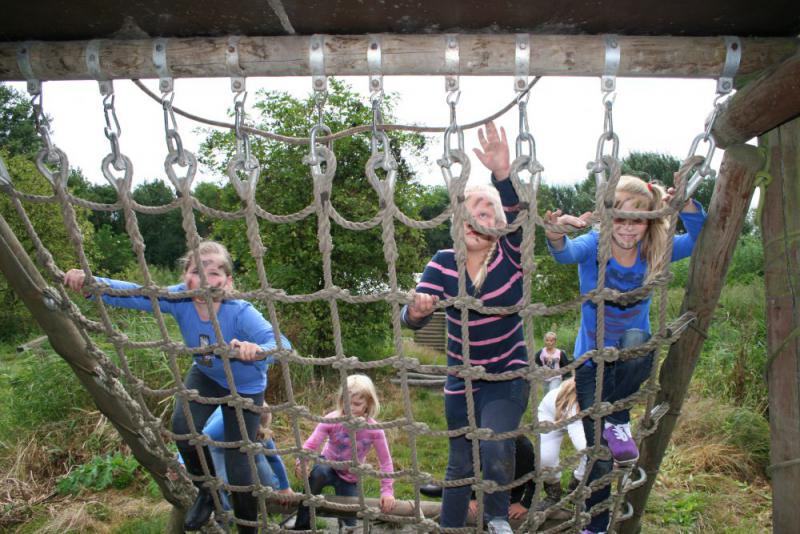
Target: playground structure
764,61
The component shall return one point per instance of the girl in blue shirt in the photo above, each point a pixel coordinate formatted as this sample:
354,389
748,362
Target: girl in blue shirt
638,248
242,328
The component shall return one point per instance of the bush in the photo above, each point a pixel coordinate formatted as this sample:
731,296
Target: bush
101,472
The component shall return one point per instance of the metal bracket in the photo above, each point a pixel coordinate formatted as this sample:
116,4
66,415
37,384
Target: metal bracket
522,61
316,61
24,63
608,82
162,68
733,56
93,64
235,70
451,62
374,64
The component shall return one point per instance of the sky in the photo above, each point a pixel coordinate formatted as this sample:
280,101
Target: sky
565,116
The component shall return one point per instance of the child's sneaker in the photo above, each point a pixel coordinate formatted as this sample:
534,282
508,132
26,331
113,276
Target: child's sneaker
621,444
499,526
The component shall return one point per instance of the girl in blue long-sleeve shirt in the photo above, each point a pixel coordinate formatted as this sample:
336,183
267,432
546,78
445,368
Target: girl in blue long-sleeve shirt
638,253
243,328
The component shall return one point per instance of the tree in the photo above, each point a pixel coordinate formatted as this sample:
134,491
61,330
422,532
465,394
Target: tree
17,129
293,260
433,202
163,235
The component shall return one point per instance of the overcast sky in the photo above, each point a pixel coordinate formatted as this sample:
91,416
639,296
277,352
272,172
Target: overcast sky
565,116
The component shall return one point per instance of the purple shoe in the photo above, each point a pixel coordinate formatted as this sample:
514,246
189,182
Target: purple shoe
620,443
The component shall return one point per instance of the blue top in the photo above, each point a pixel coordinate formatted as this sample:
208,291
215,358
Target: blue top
238,319
583,251
215,429
495,341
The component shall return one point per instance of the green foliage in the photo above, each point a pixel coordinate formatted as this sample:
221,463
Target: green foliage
18,135
432,203
749,432
163,234
747,264
293,260
681,509
101,472
32,398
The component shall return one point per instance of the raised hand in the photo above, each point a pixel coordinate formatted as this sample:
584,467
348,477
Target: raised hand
423,305
494,150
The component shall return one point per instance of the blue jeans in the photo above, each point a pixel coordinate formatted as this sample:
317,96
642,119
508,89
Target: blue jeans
236,463
621,379
321,476
265,473
498,406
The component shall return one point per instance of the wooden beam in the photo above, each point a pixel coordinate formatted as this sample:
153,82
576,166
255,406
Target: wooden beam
106,390
780,226
482,54
762,105
709,265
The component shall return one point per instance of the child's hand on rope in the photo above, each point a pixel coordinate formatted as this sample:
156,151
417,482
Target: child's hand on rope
247,351
494,155
387,503
298,469
688,206
284,496
423,305
516,511
556,217
74,279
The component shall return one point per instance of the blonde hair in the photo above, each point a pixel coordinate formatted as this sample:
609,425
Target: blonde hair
656,237
362,386
566,398
208,247
493,197
550,334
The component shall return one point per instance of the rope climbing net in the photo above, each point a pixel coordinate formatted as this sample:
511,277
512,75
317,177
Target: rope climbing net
243,173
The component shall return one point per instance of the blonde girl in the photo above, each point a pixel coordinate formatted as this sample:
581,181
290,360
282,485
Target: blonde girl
363,399
243,328
494,274
638,253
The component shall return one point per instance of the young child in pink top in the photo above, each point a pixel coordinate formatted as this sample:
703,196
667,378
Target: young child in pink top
364,403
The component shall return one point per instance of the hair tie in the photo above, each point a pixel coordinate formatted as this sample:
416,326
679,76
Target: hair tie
649,187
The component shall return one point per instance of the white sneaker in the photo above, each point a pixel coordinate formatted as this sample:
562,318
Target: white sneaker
499,526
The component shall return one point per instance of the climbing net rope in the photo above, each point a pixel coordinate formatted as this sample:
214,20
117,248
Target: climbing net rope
243,173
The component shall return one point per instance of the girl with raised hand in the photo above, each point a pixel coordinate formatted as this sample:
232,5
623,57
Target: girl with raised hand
638,253
243,328
494,274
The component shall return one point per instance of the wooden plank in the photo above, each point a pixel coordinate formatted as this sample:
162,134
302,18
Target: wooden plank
765,103
709,265
479,54
780,225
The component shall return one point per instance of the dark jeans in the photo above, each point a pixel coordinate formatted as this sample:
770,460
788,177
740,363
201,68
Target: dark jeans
498,406
321,476
621,379
236,463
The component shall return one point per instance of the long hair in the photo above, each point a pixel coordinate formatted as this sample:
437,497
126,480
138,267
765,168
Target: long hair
566,398
650,197
489,193
362,386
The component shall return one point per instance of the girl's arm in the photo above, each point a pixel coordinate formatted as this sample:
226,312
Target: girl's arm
385,461
693,220
575,250
576,434
276,463
313,443
253,328
428,292
75,279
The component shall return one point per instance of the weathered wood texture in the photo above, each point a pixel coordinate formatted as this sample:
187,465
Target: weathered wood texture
484,54
780,223
108,393
765,103
712,254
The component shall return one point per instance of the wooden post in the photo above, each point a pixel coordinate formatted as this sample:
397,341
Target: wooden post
712,254
486,54
780,224
763,104
108,393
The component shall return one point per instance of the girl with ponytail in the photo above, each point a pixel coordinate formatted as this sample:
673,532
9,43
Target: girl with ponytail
639,252
494,275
